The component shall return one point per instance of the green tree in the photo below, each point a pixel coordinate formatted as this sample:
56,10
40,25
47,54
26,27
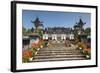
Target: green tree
24,31
40,32
29,31
88,31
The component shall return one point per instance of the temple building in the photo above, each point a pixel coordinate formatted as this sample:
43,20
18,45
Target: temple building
58,33
55,33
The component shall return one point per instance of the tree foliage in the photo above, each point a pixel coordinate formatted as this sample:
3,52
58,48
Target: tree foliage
24,30
88,31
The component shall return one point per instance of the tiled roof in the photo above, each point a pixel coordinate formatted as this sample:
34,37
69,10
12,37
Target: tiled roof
59,30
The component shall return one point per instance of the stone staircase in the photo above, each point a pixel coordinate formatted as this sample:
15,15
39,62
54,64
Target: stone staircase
58,53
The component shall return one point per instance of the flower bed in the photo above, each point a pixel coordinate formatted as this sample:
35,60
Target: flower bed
29,54
26,54
84,50
87,52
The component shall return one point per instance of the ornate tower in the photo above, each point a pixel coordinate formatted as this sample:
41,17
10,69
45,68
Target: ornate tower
37,23
79,26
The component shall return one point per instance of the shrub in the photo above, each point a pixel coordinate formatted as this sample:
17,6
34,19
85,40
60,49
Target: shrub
82,45
26,54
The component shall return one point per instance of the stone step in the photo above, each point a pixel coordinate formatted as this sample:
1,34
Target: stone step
59,56
58,59
58,52
58,49
47,54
